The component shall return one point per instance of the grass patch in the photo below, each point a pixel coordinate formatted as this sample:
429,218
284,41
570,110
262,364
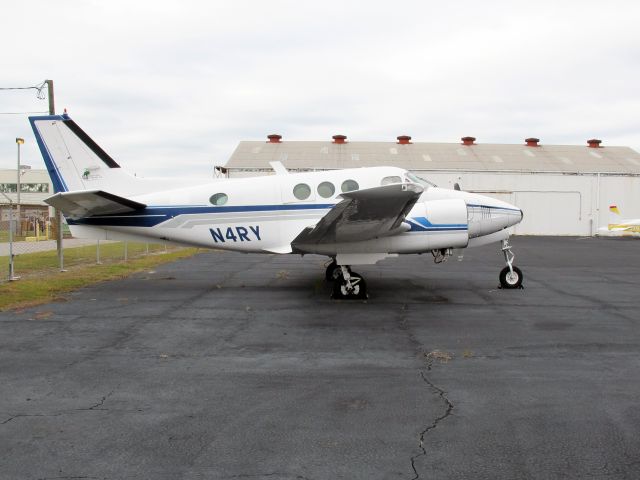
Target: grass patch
41,282
26,264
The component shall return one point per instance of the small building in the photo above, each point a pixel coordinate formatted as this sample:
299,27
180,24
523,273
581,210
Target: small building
562,189
35,186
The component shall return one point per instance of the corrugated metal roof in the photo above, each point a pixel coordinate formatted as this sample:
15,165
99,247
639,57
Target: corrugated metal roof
436,156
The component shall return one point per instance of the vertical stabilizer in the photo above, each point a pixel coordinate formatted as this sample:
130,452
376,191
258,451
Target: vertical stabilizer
614,216
74,160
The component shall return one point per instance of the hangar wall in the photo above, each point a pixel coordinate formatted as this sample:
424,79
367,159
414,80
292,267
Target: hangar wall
562,189
553,204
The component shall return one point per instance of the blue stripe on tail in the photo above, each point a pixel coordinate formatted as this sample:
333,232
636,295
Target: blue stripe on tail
59,184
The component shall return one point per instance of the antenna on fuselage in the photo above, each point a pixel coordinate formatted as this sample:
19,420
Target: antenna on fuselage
279,168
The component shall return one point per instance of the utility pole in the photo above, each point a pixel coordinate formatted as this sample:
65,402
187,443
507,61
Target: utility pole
58,213
52,108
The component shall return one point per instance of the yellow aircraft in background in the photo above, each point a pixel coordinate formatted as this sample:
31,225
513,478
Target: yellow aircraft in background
618,227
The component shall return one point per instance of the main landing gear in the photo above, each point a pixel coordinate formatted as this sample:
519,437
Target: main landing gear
510,276
347,285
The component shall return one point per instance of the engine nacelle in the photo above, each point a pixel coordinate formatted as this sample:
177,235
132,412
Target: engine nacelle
445,220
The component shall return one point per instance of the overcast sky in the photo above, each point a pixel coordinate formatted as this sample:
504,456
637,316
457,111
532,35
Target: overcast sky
171,87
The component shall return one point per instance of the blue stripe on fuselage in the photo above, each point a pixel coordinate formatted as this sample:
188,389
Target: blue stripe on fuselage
152,216
422,224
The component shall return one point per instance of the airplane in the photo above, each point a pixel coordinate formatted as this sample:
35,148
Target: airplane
618,227
355,216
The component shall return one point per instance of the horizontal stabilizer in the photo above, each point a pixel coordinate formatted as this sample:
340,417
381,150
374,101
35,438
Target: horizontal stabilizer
89,203
363,215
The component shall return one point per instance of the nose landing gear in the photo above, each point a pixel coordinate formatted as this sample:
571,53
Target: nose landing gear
347,285
510,276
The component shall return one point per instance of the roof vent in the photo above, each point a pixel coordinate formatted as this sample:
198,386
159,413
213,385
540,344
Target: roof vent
532,142
339,139
594,143
274,138
468,140
404,139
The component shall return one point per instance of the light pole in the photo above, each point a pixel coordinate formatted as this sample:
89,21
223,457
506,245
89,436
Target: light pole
19,141
12,277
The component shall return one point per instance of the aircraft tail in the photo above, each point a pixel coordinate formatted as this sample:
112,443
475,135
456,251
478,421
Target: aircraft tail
614,216
74,161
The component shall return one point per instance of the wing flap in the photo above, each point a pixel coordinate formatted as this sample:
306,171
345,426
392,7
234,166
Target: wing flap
88,203
363,215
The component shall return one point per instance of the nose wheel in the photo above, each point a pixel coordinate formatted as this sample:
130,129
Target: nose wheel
510,276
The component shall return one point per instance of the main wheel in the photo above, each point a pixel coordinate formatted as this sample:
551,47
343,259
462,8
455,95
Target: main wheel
511,280
357,291
334,272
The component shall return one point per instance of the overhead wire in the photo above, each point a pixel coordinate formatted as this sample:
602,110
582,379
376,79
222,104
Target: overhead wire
22,113
39,88
40,95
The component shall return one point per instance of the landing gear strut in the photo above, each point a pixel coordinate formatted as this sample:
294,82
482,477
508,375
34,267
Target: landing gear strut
333,271
510,276
347,285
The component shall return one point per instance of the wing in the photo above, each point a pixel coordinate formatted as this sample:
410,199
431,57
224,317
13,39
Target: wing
87,203
363,215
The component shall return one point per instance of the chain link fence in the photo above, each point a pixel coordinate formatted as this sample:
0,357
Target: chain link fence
28,244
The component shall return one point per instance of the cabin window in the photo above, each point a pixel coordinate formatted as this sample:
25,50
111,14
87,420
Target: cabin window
391,179
301,191
219,199
349,186
326,189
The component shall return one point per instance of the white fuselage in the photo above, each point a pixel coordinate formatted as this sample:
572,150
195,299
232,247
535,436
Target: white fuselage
265,214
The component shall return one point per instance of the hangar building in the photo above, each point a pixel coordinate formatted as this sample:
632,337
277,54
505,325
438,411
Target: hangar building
562,189
35,186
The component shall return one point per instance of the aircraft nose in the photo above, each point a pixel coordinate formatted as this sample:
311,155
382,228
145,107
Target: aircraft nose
514,215
488,215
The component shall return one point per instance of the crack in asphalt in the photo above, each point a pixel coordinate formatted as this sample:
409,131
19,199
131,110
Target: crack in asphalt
448,411
20,415
100,403
263,475
68,478
403,325
64,412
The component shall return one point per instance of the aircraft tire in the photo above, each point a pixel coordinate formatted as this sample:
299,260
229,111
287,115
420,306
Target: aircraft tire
509,280
359,291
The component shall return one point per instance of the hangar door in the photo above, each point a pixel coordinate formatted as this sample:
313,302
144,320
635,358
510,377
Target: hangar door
550,213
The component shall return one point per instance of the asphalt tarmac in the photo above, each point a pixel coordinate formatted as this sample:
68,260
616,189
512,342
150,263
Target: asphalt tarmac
231,366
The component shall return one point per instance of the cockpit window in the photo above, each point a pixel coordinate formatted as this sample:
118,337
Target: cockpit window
410,177
391,179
